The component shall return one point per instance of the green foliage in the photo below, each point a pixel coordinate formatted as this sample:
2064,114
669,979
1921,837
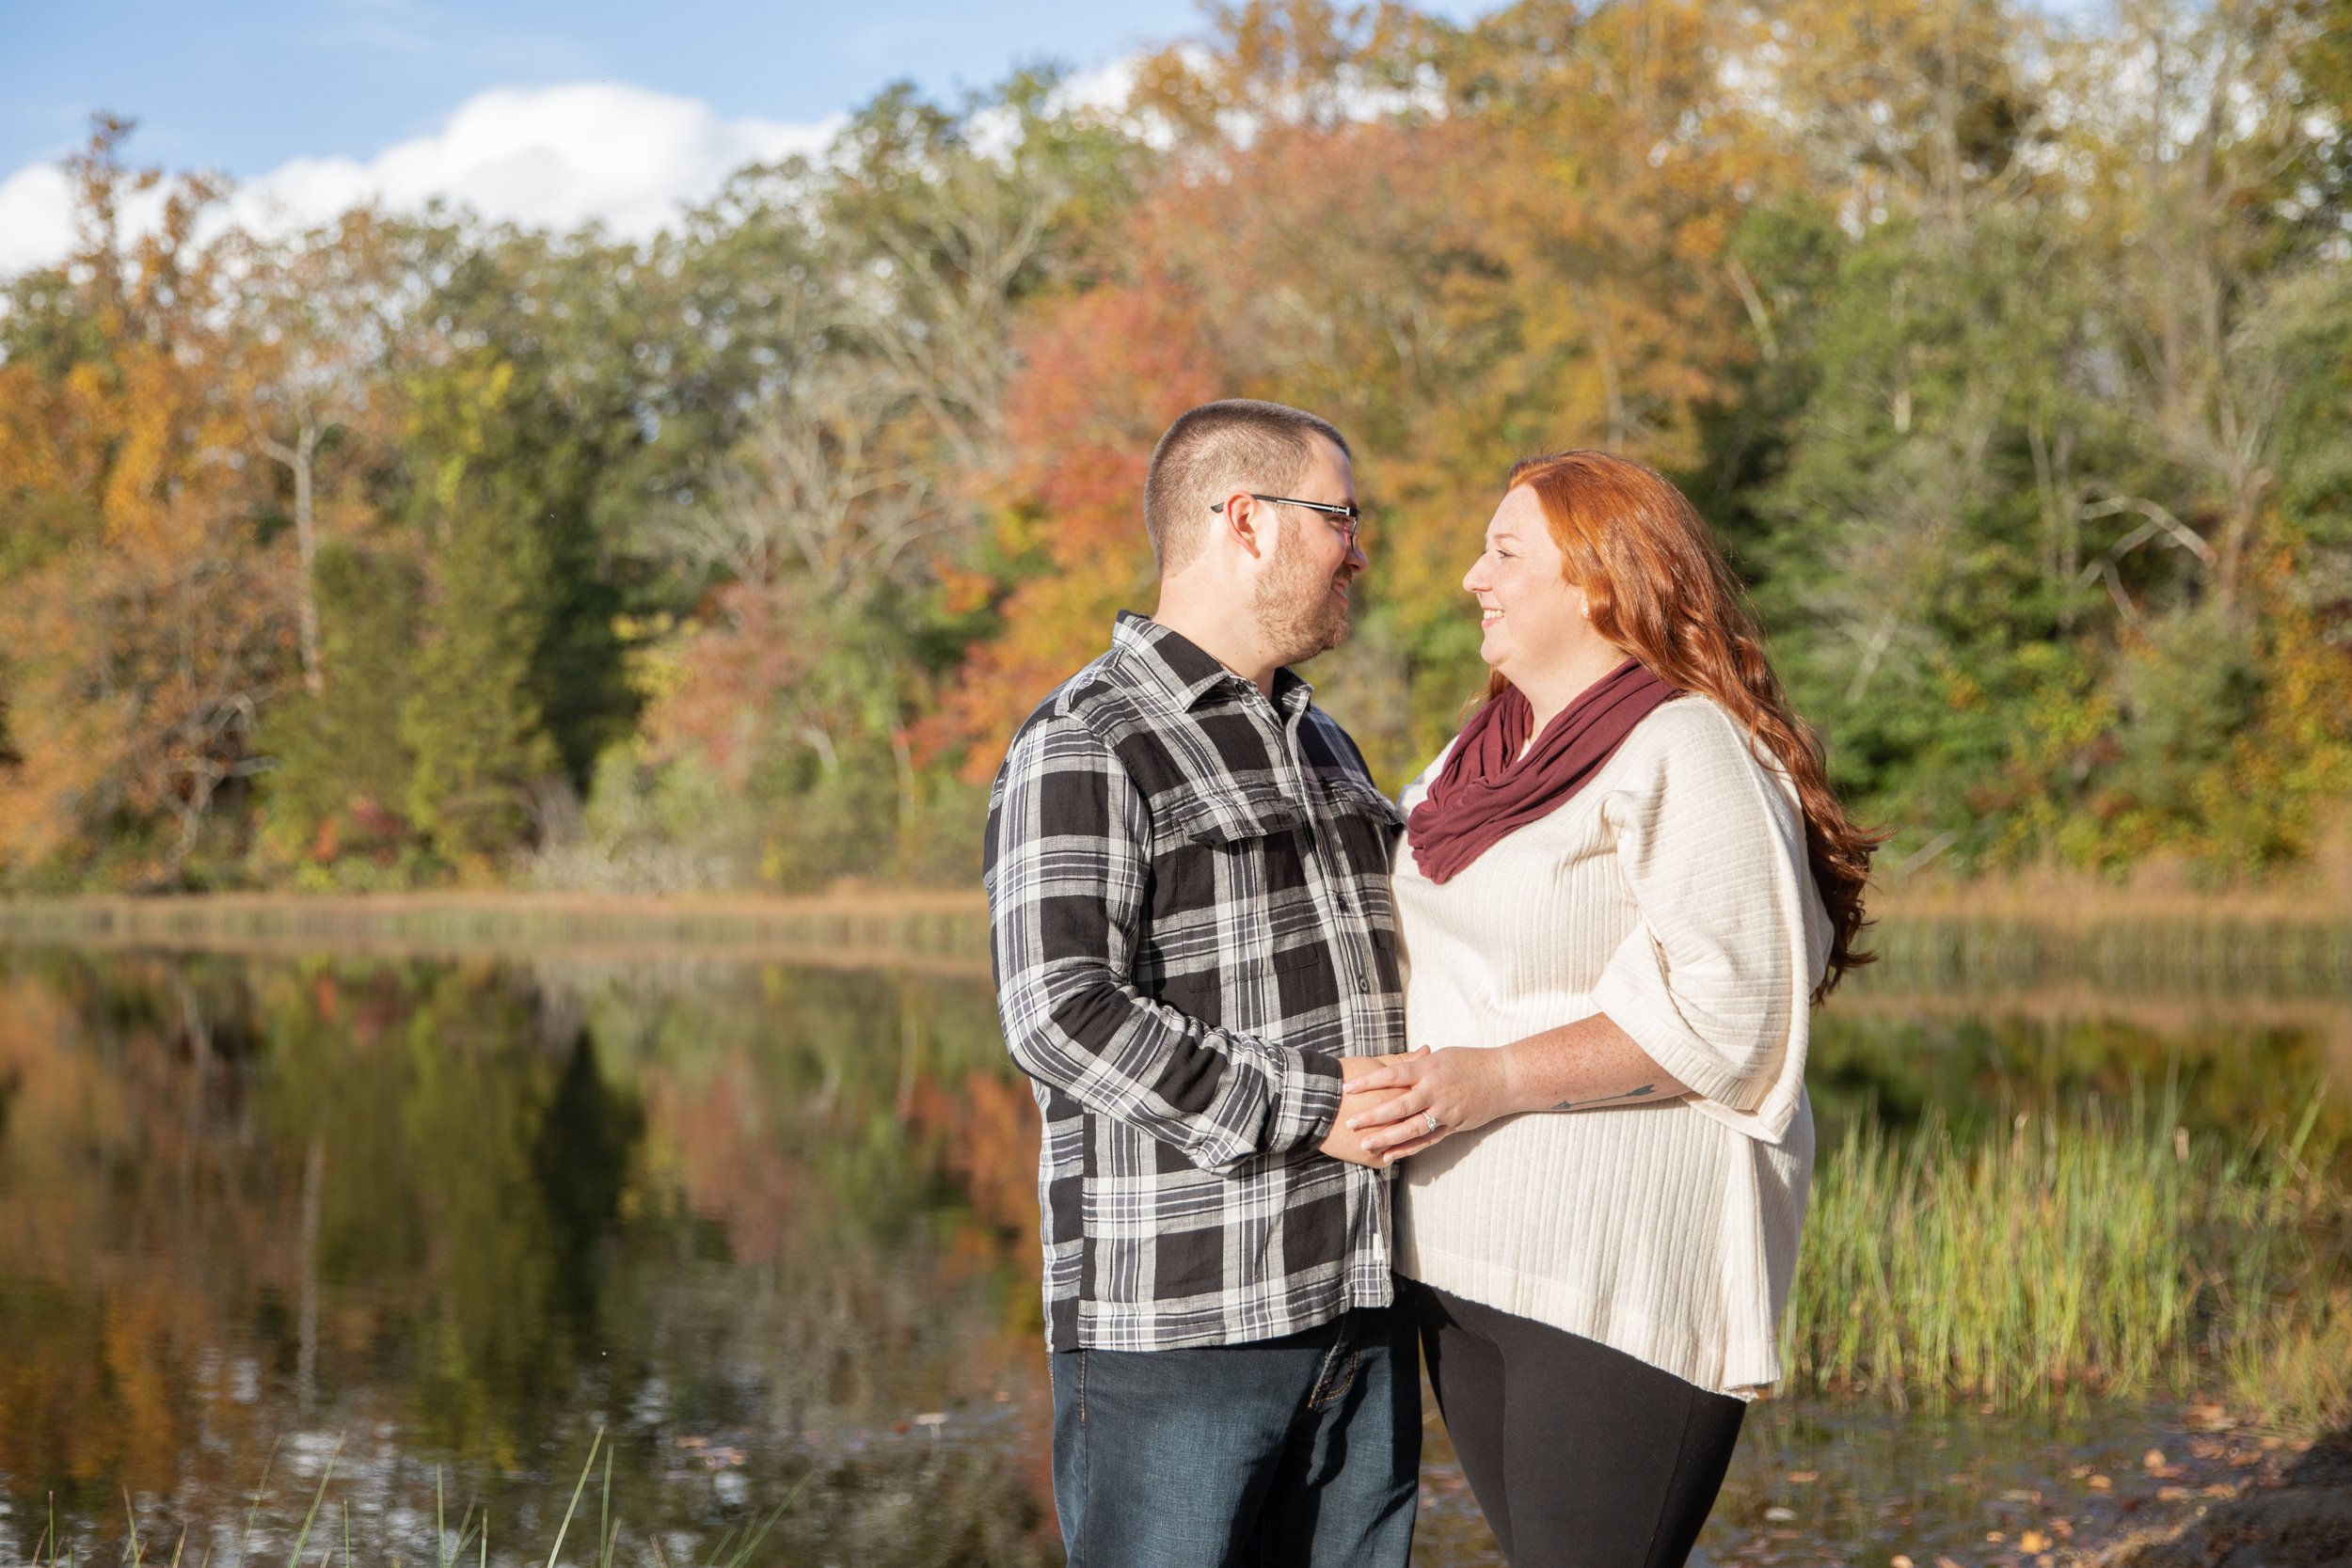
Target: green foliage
730,557
473,720
344,767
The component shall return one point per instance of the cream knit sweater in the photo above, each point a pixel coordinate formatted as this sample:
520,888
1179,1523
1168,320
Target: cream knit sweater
1673,895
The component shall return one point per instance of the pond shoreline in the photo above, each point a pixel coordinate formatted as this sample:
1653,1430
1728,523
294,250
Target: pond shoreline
1948,940
2242,1496
941,931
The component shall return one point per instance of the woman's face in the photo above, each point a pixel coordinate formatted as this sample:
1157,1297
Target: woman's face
1532,616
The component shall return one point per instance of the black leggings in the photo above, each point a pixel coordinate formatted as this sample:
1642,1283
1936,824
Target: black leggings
1582,1456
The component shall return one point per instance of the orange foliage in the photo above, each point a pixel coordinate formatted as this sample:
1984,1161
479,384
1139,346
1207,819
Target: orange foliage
1536,271
1105,373
139,645
724,685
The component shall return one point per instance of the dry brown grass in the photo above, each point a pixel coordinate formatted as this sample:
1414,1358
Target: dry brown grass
2163,890
943,931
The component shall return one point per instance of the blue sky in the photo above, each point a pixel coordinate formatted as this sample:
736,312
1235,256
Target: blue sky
245,86
544,112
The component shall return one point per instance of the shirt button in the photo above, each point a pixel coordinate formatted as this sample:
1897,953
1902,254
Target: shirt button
1362,984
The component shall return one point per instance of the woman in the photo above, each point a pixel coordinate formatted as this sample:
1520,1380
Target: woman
1627,879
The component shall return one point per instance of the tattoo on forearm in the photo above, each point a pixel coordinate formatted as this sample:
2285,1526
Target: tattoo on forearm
1606,1099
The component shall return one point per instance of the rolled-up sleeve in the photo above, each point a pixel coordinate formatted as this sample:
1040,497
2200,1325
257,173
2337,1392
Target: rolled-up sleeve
1067,868
1707,981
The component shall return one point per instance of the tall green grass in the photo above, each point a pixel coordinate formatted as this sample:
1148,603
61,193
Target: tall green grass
2099,1249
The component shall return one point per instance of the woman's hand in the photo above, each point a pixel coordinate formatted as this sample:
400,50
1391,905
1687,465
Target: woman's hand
1463,1087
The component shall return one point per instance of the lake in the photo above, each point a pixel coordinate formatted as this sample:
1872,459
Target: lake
434,1224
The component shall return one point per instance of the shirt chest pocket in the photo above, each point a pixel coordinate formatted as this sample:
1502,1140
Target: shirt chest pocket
1366,823
1226,849
1237,940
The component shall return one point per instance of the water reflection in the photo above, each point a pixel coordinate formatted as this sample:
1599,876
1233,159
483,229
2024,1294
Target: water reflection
772,1227
2226,1067
756,1222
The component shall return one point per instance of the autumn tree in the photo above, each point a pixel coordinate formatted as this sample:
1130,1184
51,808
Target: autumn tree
856,489
139,613
1461,247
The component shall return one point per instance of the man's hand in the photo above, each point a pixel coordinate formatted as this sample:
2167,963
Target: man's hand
1346,1143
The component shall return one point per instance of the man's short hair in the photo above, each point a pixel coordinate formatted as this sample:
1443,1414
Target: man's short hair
1238,442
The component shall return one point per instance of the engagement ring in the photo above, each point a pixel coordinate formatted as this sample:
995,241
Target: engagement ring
1431,1117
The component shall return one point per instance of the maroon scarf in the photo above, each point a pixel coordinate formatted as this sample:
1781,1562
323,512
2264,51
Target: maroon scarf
1483,794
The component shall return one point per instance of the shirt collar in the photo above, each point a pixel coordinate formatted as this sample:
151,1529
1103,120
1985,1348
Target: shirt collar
1187,672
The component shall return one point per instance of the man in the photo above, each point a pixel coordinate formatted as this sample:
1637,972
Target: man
1187,874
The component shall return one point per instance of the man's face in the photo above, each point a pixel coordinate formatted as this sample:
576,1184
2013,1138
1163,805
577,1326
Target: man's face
1302,595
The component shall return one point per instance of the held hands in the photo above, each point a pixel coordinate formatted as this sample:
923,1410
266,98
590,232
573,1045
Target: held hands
1343,1142
1463,1088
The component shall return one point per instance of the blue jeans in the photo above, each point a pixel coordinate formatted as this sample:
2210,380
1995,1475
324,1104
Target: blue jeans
1303,1452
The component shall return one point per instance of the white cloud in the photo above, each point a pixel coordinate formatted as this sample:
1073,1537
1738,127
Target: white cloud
36,217
542,157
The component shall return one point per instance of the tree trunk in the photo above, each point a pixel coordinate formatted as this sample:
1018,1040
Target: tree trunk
296,458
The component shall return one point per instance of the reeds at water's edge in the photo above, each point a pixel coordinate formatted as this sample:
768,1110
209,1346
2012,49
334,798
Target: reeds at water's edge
469,1544
2098,1249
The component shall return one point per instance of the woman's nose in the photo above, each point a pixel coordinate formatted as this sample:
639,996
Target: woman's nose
1474,580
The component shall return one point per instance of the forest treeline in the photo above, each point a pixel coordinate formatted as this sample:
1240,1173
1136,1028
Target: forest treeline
2010,356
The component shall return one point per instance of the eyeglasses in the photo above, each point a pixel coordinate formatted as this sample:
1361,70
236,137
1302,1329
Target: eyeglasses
1351,517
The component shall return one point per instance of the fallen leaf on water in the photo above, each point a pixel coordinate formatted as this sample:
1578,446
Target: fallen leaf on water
1780,1516
1898,1560
2033,1541
2099,1484
1996,1537
2154,1459
1805,1477
1946,1562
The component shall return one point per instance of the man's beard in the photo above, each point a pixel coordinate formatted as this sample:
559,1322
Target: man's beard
1297,612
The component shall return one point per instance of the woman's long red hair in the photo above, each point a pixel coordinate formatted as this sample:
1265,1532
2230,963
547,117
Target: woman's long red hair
1659,588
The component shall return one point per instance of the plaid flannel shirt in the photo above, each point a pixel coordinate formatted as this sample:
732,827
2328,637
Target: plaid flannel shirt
1188,887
